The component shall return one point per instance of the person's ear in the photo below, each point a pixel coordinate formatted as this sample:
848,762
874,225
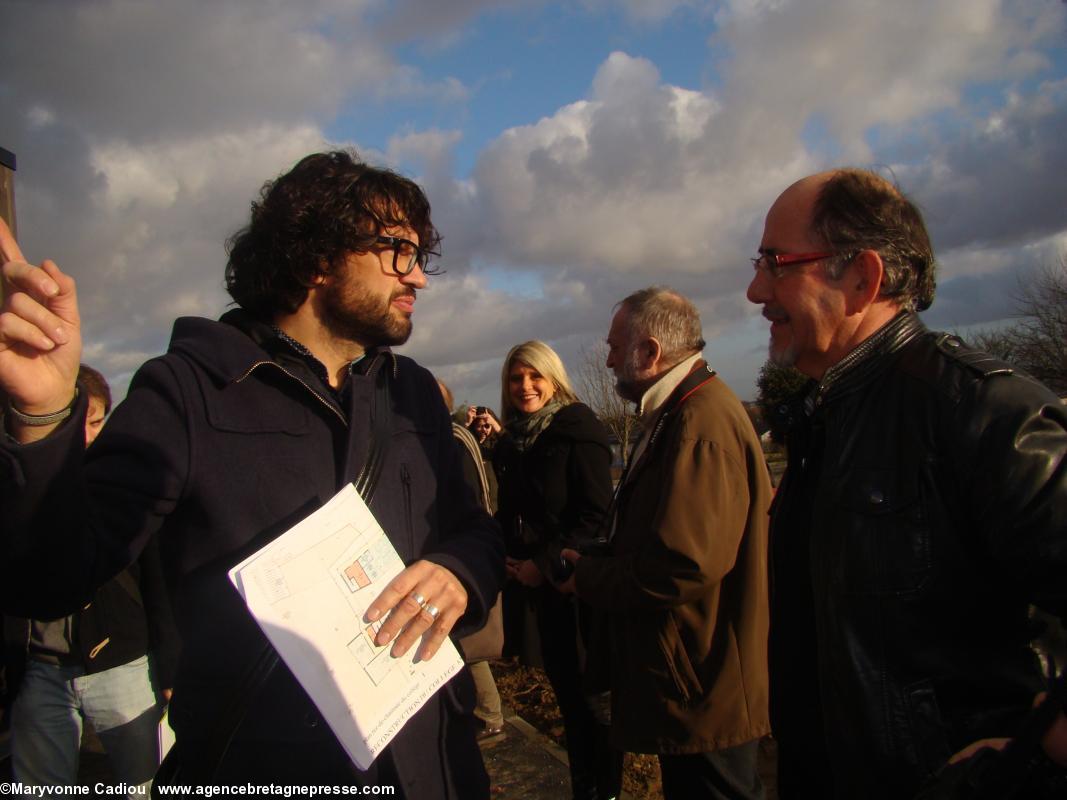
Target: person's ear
321,274
863,280
653,351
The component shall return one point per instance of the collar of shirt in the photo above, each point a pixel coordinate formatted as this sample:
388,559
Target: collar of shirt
866,358
316,366
652,401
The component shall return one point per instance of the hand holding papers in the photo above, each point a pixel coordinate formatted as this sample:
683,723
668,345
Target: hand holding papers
312,590
426,600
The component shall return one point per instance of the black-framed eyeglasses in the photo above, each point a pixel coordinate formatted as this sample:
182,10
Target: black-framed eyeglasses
406,254
775,264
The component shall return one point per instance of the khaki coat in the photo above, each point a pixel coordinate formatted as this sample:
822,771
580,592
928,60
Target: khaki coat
685,589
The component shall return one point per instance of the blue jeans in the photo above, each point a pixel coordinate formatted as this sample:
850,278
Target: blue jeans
46,723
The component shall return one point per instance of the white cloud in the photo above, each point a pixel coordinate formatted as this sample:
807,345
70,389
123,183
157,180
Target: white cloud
434,20
143,130
432,149
1000,180
856,65
616,181
646,11
148,242
646,182
135,71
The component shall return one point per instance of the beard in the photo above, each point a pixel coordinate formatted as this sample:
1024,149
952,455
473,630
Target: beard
350,314
626,384
783,356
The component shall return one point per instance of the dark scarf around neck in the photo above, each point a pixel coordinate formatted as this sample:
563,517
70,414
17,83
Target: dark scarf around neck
526,428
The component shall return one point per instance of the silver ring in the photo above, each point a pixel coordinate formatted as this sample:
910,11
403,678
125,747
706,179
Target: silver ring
432,610
418,598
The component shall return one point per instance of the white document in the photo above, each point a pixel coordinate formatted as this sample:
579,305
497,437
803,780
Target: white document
164,735
309,590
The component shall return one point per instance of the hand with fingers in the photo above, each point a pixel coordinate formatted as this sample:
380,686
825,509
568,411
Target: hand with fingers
525,571
425,600
40,337
569,586
488,420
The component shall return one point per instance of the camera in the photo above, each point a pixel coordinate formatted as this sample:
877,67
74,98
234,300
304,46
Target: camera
562,568
480,410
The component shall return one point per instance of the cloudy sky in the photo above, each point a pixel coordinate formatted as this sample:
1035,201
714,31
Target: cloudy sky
572,151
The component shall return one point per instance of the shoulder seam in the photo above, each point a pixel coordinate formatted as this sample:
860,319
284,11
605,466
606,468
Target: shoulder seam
976,361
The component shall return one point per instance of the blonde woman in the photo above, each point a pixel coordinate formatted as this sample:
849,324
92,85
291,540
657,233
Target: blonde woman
553,464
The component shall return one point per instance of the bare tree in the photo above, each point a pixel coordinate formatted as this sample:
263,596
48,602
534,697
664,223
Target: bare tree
596,387
1037,342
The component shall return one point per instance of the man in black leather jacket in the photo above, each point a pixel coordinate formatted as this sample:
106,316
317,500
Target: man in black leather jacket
924,507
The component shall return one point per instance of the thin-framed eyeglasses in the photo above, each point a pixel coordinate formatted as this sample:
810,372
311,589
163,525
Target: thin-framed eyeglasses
406,254
775,264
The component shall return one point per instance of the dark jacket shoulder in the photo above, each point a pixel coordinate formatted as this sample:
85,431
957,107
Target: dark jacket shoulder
225,348
578,423
950,367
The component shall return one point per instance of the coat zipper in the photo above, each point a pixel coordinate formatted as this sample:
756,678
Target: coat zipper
405,479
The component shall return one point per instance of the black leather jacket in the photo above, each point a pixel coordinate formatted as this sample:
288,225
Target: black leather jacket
924,508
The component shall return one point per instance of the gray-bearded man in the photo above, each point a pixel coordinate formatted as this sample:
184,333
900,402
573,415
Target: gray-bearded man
684,590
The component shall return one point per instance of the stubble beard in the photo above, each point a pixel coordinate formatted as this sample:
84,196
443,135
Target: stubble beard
354,316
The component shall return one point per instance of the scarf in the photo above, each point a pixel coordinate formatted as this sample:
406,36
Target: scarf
524,430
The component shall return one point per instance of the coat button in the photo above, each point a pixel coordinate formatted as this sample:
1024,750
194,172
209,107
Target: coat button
877,497
311,720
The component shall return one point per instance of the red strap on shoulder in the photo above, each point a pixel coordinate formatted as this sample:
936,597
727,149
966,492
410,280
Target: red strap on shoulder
685,396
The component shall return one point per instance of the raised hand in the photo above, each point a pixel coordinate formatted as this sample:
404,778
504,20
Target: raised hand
40,332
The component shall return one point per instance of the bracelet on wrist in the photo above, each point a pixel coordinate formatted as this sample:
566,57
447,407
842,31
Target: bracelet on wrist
39,420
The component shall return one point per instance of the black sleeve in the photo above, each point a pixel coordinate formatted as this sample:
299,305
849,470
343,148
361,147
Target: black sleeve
164,644
71,520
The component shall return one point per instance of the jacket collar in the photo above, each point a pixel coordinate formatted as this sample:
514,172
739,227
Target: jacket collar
658,393
867,360
683,384
238,343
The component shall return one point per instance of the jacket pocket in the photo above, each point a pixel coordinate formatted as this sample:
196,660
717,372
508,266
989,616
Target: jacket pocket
879,542
925,742
247,408
677,661
260,446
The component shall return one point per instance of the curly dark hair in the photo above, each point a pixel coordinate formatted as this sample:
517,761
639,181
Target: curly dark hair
308,220
859,210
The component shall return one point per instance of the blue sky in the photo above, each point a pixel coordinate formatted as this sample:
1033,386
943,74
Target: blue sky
573,152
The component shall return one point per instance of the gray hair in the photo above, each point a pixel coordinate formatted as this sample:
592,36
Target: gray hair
661,313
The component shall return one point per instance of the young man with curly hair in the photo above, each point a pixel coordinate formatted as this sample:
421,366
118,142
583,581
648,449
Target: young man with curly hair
246,425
